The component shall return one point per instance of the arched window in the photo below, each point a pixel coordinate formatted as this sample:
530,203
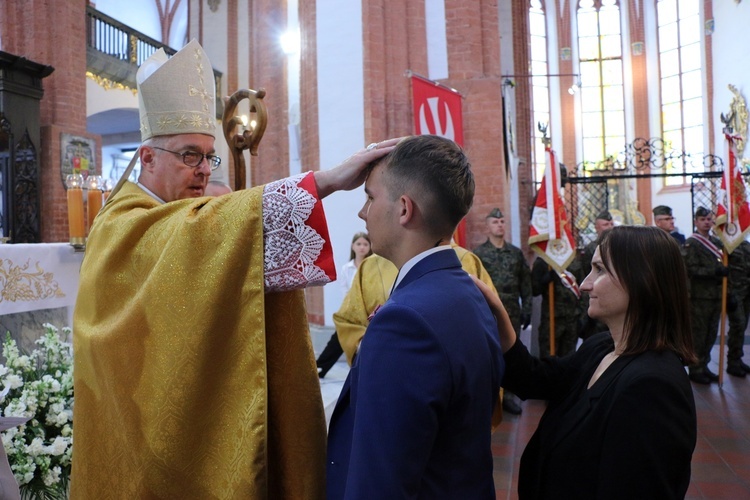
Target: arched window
539,85
600,60
681,83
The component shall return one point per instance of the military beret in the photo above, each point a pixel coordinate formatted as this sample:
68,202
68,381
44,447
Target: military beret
495,214
604,215
702,212
662,210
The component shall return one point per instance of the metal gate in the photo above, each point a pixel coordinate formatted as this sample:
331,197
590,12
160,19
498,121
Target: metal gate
610,184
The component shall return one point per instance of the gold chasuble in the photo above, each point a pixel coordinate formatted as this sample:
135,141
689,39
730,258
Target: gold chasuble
190,381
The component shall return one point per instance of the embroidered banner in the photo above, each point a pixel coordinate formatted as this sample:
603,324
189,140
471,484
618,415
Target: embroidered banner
733,212
549,233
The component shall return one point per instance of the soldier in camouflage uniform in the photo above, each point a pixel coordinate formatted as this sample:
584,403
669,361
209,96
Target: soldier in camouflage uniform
509,270
664,219
567,307
590,326
705,270
739,286
510,274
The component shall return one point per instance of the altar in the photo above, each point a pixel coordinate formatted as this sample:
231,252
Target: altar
38,284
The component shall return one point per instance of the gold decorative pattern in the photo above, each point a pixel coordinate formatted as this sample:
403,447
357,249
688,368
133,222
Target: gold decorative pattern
19,284
108,84
738,118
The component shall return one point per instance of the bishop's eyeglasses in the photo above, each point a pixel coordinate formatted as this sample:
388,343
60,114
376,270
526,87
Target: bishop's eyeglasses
194,159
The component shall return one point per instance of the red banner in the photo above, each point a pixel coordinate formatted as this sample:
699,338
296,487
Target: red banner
437,111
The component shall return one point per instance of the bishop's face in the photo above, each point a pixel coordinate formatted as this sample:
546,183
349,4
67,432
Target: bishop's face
169,178
380,214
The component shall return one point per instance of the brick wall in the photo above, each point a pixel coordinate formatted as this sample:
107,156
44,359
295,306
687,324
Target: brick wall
309,135
474,68
51,33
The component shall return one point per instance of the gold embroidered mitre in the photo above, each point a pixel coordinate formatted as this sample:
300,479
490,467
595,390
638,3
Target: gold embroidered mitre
177,95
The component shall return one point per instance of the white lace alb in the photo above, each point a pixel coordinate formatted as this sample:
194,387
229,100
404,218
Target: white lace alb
291,247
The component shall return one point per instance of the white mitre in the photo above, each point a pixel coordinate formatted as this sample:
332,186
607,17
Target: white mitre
177,95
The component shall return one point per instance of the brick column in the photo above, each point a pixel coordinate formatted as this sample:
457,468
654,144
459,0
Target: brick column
524,120
474,67
268,70
309,133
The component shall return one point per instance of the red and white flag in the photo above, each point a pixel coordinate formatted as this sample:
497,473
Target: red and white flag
733,212
437,111
549,234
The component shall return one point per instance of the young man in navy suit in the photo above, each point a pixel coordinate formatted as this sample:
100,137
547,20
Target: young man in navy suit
413,418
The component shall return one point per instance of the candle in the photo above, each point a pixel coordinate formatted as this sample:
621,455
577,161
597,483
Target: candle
107,189
94,198
76,227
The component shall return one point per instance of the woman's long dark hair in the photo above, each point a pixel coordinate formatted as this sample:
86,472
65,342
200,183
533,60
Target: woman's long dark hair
649,266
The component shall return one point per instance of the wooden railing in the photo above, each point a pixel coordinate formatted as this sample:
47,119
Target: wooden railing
111,37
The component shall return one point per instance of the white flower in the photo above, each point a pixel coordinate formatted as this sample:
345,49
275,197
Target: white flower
36,447
58,446
39,385
51,476
13,381
21,362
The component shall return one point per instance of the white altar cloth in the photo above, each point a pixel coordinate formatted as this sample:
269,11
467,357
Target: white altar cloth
38,276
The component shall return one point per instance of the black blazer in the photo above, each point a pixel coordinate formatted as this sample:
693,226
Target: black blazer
630,436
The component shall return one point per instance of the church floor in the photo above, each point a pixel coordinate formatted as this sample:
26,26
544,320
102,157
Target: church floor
721,461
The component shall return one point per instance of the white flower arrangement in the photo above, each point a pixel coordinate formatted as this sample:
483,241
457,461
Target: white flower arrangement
39,386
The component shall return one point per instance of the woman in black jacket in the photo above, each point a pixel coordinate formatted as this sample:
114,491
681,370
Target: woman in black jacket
621,420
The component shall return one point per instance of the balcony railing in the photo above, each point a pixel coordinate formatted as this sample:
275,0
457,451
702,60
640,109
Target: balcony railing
111,37
114,51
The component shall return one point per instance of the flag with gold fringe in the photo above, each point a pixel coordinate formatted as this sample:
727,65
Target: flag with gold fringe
733,212
549,235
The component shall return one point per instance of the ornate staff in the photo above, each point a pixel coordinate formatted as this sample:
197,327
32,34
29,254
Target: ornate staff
248,138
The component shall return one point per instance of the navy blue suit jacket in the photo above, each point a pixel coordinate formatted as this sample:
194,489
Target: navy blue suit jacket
413,418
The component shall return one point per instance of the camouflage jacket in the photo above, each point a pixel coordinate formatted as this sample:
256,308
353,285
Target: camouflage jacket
702,267
509,271
739,269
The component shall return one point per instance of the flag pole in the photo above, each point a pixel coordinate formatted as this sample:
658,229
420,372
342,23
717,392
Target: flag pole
722,324
551,295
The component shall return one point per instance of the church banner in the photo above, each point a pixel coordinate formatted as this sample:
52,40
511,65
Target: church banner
733,212
437,111
549,233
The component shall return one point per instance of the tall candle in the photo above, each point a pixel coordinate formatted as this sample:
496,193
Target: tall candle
107,189
76,221
94,198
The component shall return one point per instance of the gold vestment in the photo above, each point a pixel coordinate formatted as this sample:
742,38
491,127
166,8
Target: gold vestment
190,381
